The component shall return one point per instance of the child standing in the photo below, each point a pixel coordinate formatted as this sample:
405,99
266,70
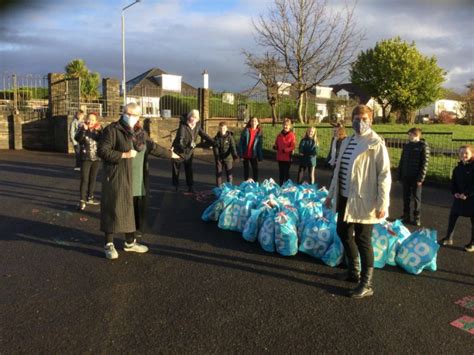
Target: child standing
411,173
338,135
250,148
224,153
285,145
462,187
308,152
87,137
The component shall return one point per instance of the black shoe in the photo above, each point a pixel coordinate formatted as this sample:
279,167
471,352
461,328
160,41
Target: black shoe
191,190
176,188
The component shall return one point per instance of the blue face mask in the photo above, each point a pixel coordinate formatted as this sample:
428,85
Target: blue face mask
361,127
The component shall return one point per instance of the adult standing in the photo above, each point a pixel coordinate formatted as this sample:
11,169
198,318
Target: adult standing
285,144
183,145
73,128
360,193
124,148
250,148
88,136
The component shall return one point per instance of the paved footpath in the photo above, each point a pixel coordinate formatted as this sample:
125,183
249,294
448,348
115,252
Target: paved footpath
201,289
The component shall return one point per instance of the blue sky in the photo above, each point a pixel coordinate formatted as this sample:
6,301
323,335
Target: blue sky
186,36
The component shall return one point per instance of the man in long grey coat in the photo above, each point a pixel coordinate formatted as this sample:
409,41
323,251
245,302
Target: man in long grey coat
121,143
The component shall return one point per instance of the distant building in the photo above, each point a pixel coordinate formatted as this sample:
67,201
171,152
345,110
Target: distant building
443,105
352,91
148,88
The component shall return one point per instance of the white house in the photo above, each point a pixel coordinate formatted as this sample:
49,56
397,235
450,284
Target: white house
441,105
147,89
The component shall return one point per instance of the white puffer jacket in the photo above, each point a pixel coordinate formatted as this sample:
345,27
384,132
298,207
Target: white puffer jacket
369,189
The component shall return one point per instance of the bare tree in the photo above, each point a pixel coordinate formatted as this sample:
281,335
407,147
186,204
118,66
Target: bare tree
270,71
315,43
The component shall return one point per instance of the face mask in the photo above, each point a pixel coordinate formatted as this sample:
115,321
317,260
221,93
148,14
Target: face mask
360,127
130,120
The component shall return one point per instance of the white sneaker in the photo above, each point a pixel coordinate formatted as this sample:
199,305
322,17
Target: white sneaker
135,247
110,251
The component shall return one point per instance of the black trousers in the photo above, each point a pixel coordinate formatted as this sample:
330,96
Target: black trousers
188,170
89,173
411,190
139,209
221,165
77,155
284,171
453,217
254,163
356,237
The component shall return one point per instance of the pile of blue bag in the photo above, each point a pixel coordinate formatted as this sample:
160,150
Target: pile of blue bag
293,218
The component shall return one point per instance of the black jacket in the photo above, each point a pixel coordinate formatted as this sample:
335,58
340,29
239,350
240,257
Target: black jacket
185,140
414,161
462,182
224,146
116,203
88,141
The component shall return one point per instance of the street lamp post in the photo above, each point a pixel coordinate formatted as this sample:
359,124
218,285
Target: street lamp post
124,87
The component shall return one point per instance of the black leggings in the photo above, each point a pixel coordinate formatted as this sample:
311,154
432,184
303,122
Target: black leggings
188,170
89,172
254,163
356,237
453,217
284,170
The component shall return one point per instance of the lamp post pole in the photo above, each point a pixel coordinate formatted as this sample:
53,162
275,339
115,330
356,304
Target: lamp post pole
124,86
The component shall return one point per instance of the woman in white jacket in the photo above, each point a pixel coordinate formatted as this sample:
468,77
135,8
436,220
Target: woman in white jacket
360,194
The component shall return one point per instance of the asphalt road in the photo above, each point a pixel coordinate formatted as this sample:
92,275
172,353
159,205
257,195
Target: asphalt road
201,289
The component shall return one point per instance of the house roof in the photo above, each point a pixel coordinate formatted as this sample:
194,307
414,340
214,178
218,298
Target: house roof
146,82
354,91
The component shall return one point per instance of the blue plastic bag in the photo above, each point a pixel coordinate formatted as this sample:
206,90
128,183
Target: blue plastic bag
213,211
308,191
308,210
317,237
418,252
269,187
335,253
383,238
254,223
286,236
266,234
402,233
235,215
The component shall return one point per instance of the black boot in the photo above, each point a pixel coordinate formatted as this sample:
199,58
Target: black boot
352,274
364,289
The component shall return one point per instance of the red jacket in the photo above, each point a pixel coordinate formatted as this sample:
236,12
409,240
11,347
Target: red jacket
285,145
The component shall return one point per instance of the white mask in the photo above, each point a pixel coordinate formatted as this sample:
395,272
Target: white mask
131,120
